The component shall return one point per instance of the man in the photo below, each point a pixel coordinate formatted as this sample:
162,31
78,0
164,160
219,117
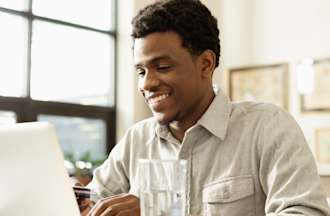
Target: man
243,158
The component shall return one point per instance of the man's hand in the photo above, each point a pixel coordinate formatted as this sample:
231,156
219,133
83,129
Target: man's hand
118,205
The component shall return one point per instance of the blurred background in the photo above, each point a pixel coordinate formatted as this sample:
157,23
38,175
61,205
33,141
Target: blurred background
69,62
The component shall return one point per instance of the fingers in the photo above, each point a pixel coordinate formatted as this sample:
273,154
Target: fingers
122,204
126,213
123,213
113,210
85,204
105,203
85,211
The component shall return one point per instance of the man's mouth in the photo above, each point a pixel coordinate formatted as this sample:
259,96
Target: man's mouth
157,99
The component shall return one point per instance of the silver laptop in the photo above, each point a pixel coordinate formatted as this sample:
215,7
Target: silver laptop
33,179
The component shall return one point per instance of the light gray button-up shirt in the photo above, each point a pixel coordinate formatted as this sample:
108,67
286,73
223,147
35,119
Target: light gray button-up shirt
244,159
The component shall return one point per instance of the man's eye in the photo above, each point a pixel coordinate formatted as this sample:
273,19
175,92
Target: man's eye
164,68
140,71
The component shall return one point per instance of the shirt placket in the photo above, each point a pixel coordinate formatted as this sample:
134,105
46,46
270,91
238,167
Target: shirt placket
186,154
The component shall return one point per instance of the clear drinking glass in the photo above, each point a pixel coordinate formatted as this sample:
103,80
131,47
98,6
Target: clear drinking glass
162,187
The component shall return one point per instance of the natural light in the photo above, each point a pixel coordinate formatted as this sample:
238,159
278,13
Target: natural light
77,11
70,64
13,55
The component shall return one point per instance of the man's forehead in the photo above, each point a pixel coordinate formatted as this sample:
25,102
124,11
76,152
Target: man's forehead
157,46
149,59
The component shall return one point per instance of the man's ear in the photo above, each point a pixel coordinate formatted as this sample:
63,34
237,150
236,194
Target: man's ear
207,61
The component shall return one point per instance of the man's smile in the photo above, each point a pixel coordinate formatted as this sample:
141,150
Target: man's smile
156,100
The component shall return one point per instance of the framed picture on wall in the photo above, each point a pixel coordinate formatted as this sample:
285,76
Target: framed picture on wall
322,145
319,99
268,83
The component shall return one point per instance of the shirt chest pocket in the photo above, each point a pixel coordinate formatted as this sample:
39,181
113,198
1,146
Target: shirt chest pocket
231,196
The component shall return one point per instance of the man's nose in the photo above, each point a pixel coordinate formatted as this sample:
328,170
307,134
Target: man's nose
149,82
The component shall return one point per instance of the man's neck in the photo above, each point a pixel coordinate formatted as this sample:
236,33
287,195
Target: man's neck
179,128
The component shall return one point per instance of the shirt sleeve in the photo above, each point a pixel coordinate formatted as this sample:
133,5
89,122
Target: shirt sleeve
288,172
112,176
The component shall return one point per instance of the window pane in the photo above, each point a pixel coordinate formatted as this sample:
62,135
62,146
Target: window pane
7,117
80,138
13,48
14,4
97,14
71,65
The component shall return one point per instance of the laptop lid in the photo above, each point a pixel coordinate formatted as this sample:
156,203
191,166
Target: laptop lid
33,179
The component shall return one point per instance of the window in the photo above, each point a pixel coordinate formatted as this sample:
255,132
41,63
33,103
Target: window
89,133
74,56
58,65
13,44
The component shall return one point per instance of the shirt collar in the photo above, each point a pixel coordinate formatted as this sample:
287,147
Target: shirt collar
215,119
163,132
217,116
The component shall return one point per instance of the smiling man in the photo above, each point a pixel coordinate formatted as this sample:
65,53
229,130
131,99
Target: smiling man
243,158
176,84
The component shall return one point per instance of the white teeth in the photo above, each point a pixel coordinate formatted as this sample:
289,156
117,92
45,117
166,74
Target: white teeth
158,98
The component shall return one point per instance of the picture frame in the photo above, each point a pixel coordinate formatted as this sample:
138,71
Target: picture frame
264,83
319,99
322,145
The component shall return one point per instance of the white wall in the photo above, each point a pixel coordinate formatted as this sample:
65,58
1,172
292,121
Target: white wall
278,31
124,81
260,31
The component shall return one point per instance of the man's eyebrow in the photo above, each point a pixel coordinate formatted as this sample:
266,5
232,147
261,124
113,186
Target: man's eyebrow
154,60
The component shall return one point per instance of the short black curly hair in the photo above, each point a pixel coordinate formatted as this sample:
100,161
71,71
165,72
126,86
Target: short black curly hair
190,19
